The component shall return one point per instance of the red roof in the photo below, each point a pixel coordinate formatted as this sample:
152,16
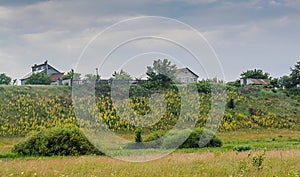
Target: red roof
56,76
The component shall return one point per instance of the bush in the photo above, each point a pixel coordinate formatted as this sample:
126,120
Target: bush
241,148
207,137
56,142
171,141
138,135
230,104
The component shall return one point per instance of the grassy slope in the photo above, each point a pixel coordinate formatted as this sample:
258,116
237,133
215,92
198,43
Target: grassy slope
259,98
35,92
279,102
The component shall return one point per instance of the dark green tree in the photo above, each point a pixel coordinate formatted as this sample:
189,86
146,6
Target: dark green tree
285,82
4,79
255,74
38,79
295,74
162,71
275,82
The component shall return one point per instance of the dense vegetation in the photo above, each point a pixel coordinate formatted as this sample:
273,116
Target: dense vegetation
28,108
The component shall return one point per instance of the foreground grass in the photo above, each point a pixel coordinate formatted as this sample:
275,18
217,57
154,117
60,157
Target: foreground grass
282,159
277,163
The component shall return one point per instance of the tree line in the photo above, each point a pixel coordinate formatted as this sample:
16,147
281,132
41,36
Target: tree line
163,72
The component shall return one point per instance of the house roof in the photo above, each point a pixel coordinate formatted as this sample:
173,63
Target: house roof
260,81
44,64
179,70
56,76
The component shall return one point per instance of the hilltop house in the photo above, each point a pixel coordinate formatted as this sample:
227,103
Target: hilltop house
54,75
250,81
185,75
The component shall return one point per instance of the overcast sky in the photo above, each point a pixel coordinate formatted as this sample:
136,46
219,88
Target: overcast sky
262,34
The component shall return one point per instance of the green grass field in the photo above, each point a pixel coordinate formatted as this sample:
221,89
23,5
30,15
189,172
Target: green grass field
282,159
273,125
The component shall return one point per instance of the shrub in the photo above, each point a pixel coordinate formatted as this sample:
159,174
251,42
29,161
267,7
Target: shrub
230,104
257,160
174,137
138,135
242,148
56,142
208,139
154,139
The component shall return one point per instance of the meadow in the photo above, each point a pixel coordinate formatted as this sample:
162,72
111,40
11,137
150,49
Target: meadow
259,130
281,159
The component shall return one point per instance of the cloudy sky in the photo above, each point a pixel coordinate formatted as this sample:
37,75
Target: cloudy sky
262,34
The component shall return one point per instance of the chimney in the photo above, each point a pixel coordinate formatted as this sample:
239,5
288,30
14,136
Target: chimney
33,67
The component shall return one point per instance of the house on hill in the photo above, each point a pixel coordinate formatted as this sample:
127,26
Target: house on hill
185,75
55,76
250,81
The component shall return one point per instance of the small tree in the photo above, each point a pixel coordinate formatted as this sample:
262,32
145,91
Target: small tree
122,75
4,79
295,74
255,74
162,71
72,75
285,82
138,135
69,75
38,79
161,75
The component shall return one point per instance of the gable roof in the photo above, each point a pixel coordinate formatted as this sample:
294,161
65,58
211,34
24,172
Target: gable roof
43,65
179,70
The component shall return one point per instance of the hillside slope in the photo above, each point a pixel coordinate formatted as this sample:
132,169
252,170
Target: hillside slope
27,108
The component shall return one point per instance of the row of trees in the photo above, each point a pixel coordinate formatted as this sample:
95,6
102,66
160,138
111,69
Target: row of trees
163,71
289,81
